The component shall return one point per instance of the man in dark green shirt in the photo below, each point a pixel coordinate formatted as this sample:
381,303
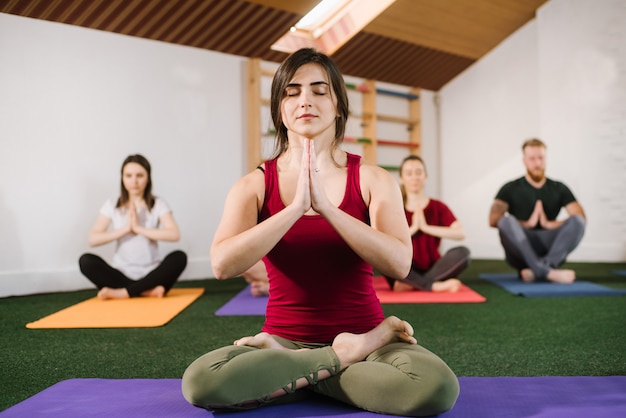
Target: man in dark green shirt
525,212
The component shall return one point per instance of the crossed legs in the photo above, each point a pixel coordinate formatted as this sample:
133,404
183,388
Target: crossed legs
410,380
537,254
113,284
442,275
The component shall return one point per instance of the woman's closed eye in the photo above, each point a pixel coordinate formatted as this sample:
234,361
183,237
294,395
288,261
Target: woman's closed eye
316,89
292,91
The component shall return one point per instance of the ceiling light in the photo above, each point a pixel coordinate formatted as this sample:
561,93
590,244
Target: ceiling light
331,24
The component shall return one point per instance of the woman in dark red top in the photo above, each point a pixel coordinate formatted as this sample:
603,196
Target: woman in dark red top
429,221
321,219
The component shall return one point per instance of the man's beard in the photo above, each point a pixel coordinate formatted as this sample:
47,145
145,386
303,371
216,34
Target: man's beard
537,176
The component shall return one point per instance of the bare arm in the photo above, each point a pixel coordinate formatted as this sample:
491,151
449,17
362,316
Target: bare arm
100,235
240,242
500,207
498,210
415,222
386,244
573,208
455,231
167,232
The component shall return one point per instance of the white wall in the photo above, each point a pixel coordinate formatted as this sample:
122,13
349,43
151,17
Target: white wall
74,103
562,78
583,104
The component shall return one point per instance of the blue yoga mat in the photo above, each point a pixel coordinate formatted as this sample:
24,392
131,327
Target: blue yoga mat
480,397
511,283
620,272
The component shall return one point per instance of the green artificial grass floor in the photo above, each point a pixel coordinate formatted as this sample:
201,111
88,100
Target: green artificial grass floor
506,336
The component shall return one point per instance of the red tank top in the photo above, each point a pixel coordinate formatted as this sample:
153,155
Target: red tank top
319,286
426,247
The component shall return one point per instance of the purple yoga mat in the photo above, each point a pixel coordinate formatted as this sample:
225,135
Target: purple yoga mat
244,304
481,397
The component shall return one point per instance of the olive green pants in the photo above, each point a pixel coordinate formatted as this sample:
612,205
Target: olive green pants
398,379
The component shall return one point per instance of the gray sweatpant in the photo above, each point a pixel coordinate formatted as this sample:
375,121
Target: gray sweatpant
539,249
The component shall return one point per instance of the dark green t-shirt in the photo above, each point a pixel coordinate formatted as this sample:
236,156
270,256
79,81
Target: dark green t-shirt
521,197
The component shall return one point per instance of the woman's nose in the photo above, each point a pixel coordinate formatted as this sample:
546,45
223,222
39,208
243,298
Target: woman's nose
305,99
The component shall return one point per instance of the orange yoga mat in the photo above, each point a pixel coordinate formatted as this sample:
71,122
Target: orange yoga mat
121,313
386,295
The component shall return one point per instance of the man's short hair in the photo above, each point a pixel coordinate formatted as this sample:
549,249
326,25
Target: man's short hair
533,142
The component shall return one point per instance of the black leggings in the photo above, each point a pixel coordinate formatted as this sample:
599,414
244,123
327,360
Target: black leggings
103,275
451,264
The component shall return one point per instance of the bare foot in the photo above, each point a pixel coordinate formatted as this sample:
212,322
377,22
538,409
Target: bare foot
450,285
259,288
261,340
349,348
352,348
155,292
398,286
110,293
527,275
257,277
561,276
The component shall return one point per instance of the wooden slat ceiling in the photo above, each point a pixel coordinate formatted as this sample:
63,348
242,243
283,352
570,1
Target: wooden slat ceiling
421,43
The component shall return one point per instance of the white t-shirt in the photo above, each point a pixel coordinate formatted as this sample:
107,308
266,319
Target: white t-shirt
135,255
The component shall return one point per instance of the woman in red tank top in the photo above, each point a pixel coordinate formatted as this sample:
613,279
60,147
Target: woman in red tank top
320,219
430,221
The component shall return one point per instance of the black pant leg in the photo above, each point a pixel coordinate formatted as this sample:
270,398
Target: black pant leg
165,274
100,273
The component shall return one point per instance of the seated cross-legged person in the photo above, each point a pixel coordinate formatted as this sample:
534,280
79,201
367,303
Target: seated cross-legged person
429,220
321,219
535,243
135,221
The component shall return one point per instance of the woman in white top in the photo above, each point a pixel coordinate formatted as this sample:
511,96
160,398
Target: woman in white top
136,221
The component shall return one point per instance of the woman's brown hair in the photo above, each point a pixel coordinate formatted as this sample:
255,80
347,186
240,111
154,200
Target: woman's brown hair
147,193
283,77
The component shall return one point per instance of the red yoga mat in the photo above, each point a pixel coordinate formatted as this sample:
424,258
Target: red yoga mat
386,295
245,304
